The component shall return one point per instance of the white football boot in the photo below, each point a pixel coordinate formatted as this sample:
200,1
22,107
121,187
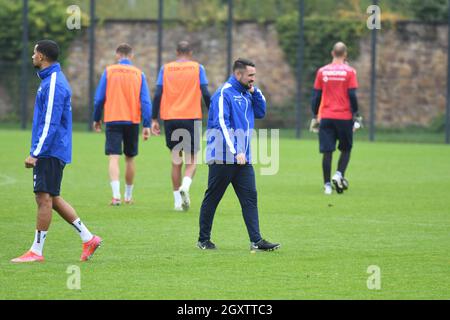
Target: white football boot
185,198
328,189
337,181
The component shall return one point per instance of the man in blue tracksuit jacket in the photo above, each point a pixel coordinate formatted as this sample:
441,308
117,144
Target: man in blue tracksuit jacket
232,113
51,150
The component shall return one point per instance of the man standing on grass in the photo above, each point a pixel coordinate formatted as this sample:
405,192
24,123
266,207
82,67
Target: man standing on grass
179,90
51,150
123,94
232,114
334,106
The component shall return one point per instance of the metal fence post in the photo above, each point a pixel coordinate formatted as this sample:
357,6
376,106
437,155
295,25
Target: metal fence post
91,64
160,32
24,70
373,82
229,38
301,13
447,116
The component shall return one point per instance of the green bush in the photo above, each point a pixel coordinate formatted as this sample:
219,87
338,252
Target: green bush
430,10
47,20
438,124
320,34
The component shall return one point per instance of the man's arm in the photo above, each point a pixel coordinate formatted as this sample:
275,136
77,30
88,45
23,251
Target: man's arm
157,102
204,87
158,94
100,97
206,95
315,101
50,119
146,104
353,101
258,103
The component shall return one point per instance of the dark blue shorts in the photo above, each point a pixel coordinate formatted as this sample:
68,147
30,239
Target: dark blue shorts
47,176
122,137
183,134
332,130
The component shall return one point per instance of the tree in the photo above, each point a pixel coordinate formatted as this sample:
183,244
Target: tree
430,10
47,20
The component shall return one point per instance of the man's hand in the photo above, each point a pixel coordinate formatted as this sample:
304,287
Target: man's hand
155,128
251,89
357,122
146,133
97,126
30,162
314,125
241,159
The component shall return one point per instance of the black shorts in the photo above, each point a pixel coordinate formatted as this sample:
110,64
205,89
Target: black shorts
47,176
116,134
183,135
332,130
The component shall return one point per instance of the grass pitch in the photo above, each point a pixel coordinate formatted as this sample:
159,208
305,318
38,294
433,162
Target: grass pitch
396,216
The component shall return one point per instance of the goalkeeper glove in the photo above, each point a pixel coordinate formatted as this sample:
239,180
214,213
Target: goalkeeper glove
314,125
357,122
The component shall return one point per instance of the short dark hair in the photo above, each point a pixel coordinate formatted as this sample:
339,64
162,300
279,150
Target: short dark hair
49,49
339,49
241,64
184,47
124,49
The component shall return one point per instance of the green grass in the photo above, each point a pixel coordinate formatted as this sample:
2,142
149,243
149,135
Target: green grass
395,216
407,135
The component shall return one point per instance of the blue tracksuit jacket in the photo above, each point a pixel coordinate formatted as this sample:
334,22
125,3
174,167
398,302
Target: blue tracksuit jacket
52,120
231,120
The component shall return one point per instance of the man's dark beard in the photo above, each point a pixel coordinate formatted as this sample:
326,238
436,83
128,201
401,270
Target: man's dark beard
247,86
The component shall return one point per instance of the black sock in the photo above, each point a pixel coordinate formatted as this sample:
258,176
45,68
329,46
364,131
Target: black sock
344,159
326,166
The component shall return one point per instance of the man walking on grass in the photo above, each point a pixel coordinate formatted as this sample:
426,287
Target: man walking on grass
232,114
51,150
335,110
123,94
180,87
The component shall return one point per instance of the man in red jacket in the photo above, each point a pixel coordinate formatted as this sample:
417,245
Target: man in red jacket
334,106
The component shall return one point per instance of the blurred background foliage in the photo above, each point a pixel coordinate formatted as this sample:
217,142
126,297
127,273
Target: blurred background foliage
48,17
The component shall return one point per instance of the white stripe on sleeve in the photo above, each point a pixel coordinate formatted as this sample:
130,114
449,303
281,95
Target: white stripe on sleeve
48,115
260,92
222,120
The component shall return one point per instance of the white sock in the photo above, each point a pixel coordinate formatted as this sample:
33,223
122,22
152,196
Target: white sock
128,192
115,185
39,240
339,174
186,183
177,198
82,230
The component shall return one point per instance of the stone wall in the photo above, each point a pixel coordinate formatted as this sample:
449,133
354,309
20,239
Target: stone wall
412,66
412,74
253,41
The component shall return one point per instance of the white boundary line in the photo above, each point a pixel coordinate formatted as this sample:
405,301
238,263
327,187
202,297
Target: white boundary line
6,180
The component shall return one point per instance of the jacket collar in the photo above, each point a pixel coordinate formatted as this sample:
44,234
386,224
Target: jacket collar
44,73
236,84
125,61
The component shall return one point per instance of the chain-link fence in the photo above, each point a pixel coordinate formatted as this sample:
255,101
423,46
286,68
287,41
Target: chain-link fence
411,60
